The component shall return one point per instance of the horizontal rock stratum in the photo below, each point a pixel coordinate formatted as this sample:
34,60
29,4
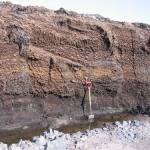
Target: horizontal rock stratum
45,55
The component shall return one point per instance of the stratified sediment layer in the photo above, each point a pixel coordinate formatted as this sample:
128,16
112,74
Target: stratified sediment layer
45,55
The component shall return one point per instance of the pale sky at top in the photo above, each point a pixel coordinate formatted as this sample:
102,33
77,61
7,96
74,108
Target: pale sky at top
121,10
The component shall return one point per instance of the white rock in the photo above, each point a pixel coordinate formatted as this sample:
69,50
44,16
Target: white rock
14,147
125,124
3,146
41,141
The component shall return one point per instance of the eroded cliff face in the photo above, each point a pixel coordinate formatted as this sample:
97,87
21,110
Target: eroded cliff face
45,55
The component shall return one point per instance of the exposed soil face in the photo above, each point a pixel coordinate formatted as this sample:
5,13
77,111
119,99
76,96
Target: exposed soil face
45,55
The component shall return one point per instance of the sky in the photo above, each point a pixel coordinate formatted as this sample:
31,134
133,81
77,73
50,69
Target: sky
120,10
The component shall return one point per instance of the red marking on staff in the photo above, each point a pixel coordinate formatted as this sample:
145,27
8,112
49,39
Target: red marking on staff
89,84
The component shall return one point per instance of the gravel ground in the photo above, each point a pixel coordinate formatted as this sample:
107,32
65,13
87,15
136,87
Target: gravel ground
126,135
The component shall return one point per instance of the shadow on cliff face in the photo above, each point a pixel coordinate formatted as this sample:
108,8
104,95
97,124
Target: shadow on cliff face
18,36
148,43
140,110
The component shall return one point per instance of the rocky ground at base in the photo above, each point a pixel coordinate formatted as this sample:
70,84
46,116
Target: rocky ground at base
125,135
